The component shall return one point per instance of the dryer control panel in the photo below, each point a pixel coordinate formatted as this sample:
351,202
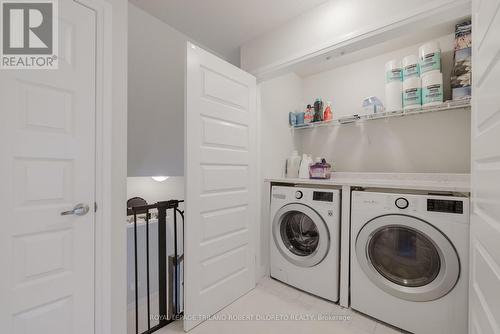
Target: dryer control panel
445,206
425,206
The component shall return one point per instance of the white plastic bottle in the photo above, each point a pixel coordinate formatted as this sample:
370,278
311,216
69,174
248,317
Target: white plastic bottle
292,165
304,166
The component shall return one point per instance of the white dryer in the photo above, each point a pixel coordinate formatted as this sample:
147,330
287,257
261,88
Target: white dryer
305,233
409,260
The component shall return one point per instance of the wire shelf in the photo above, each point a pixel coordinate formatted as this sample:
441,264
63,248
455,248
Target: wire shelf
449,105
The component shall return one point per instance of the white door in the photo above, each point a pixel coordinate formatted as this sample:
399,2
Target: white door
47,149
485,220
221,185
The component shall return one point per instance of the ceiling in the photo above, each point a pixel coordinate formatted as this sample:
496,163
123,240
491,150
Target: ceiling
224,25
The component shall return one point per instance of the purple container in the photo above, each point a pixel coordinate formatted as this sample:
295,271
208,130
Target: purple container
320,170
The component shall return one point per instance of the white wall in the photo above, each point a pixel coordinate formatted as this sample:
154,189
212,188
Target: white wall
327,25
156,69
425,143
278,97
153,191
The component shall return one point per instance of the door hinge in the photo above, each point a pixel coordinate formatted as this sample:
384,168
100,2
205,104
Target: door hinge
95,206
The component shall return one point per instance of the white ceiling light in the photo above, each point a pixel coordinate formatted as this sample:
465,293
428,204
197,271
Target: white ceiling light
159,178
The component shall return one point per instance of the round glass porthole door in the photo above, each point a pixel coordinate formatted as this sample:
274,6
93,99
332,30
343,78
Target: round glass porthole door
301,235
404,256
407,257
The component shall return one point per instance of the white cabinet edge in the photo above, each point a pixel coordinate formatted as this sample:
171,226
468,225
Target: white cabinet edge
410,181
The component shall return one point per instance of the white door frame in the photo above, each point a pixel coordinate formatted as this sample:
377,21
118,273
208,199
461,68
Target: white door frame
104,196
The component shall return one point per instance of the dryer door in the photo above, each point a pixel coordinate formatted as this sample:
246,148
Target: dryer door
407,257
301,235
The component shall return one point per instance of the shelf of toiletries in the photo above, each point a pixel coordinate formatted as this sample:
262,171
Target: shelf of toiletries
413,85
450,105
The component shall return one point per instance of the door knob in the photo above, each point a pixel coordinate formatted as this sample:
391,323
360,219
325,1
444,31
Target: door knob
79,210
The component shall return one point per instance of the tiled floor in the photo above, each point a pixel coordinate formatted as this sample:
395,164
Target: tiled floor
274,298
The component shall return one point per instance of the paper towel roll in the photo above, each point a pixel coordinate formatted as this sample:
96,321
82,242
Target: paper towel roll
432,89
394,96
411,67
393,71
412,94
430,57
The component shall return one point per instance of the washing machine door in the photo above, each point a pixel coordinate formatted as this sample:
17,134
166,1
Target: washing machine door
301,235
407,257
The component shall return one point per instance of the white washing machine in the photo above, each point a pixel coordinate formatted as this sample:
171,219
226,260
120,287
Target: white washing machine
409,260
305,229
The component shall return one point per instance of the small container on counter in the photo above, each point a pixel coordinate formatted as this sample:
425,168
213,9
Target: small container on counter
320,170
304,166
293,165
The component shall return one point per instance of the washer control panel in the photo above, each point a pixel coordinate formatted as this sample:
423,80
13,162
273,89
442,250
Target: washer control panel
323,196
315,197
402,203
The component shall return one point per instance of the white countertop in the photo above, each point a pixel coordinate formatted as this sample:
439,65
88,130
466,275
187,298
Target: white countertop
411,181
